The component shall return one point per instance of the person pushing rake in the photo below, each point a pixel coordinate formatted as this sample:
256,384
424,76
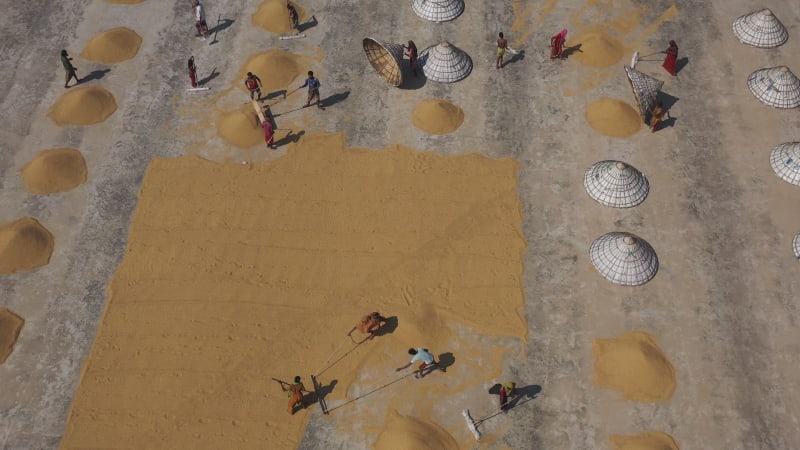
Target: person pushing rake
426,360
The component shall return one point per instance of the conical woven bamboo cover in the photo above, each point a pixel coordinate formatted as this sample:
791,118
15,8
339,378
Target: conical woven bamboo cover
386,59
438,10
645,89
624,258
796,246
760,29
776,86
785,161
445,63
616,184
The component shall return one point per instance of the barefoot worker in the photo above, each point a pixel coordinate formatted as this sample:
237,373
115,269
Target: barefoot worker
411,51
69,69
671,61
269,133
294,391
370,323
557,44
502,43
200,19
193,72
656,116
425,358
508,392
253,84
313,89
293,17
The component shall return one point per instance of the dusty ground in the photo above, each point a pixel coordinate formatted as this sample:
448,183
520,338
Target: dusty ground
723,304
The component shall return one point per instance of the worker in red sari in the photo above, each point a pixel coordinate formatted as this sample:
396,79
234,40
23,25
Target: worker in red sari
557,44
193,72
671,61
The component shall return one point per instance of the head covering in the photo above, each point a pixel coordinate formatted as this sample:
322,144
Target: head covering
563,34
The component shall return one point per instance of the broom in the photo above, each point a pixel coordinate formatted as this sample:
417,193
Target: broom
636,58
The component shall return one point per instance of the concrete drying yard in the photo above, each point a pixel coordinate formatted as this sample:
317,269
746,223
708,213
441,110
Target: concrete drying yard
723,305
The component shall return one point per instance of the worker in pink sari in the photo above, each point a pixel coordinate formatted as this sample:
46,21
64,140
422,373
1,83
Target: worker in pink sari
269,133
557,44
671,61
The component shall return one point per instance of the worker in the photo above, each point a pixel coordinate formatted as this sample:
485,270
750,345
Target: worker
200,19
69,70
192,72
502,44
370,323
426,359
295,393
253,84
557,44
313,89
508,392
656,116
293,17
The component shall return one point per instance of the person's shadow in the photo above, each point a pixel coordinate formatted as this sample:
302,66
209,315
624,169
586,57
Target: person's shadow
95,75
209,77
274,94
321,393
409,80
310,23
446,360
519,56
221,25
334,99
569,51
289,138
388,327
681,63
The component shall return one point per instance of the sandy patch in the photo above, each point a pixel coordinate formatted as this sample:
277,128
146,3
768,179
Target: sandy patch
55,170
598,48
234,273
653,440
437,116
613,117
112,46
10,326
83,106
634,365
24,245
240,128
276,68
409,433
273,16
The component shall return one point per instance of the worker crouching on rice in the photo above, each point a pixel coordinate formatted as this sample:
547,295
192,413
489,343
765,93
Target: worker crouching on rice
370,323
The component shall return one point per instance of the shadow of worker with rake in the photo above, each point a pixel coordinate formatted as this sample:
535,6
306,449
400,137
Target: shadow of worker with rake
289,138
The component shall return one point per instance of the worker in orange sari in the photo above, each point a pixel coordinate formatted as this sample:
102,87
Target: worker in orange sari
656,117
370,323
557,44
671,61
295,393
